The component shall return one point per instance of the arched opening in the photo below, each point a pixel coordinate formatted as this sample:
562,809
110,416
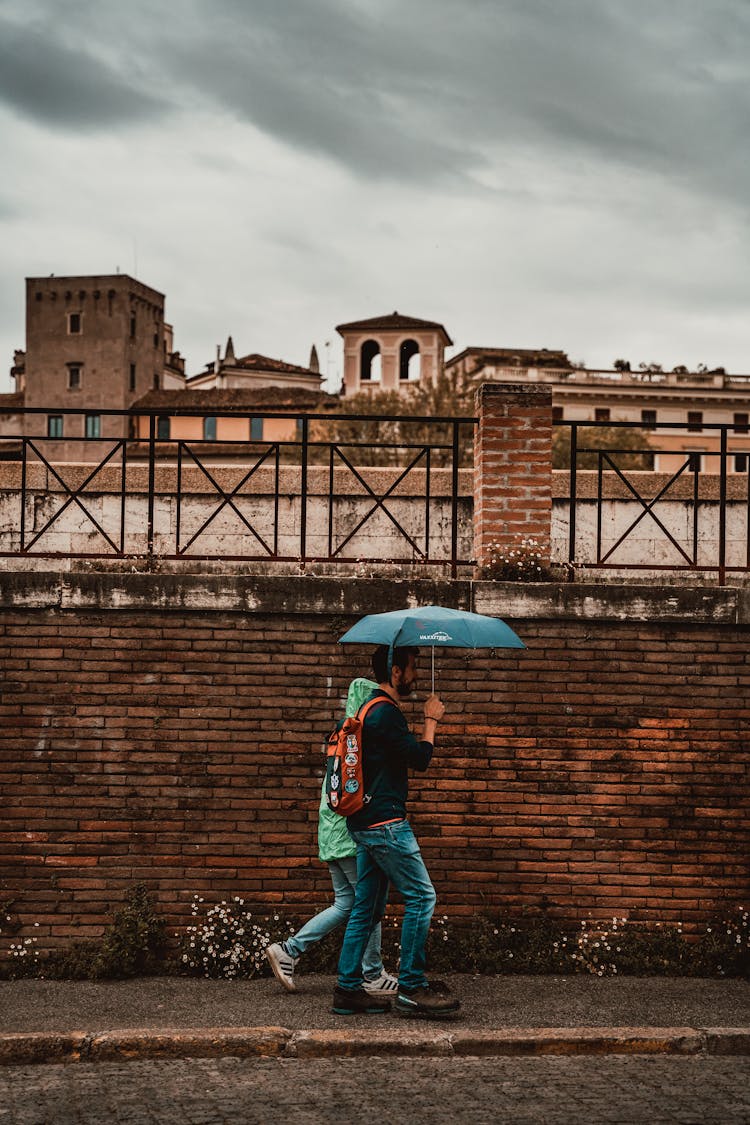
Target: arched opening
409,361
369,362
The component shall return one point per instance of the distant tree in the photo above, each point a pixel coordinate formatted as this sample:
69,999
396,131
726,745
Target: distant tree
373,442
680,369
718,370
621,365
701,369
606,438
650,367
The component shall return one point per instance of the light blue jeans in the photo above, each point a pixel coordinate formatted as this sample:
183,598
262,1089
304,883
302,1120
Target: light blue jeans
344,879
389,854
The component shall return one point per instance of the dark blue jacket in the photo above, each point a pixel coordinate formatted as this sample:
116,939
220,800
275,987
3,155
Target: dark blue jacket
389,750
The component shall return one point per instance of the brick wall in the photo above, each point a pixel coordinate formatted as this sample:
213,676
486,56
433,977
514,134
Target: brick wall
605,770
513,468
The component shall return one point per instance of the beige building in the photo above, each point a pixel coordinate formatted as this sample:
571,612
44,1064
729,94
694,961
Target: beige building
227,414
254,371
690,401
390,352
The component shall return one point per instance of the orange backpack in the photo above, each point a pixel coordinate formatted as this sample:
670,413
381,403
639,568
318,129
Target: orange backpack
345,785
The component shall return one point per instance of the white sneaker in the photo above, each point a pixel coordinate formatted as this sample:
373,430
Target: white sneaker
384,985
282,965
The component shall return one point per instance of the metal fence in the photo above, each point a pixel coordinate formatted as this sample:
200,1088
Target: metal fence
699,481
341,472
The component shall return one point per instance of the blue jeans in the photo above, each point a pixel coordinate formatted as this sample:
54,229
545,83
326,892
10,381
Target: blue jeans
388,854
344,879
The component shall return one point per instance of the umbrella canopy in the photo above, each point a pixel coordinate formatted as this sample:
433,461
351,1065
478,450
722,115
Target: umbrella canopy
434,626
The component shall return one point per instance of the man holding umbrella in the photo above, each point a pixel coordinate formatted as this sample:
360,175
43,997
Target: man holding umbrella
387,850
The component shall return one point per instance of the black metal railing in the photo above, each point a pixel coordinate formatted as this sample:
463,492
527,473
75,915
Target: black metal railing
706,469
119,440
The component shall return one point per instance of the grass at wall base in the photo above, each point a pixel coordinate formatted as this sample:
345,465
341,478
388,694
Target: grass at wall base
226,940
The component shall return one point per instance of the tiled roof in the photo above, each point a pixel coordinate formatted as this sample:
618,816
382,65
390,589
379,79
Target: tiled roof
236,398
257,362
393,322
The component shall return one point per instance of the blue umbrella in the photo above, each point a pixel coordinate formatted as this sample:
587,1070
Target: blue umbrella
435,626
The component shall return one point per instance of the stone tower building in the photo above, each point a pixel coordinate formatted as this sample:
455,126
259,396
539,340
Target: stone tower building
92,343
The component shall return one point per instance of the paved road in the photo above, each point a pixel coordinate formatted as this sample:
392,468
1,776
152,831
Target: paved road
550,1091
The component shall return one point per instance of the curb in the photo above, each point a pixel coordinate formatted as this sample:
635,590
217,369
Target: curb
36,1047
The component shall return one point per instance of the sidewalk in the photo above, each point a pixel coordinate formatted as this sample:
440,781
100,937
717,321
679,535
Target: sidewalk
54,1021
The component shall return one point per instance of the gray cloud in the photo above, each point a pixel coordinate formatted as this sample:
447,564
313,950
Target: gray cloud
559,171
433,91
46,79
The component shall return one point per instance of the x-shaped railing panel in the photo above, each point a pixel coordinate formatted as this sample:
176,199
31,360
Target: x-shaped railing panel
647,505
379,503
73,495
227,498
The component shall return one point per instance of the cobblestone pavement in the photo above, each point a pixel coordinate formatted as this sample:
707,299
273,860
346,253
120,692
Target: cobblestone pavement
542,1091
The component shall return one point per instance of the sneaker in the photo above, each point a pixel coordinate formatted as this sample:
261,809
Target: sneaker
283,966
384,985
427,1002
357,1002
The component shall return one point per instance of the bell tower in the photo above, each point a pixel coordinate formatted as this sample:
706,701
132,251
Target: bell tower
391,353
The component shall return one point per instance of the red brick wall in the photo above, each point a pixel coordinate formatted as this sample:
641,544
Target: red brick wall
605,770
513,468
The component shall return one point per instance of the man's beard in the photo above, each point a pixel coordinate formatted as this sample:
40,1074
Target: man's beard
404,690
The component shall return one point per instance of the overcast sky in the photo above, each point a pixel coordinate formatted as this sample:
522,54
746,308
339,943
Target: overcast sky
532,173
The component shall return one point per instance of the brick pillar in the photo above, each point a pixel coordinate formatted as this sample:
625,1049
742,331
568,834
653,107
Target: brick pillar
512,467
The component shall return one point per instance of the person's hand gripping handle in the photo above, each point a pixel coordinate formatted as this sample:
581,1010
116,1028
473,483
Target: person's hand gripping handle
434,710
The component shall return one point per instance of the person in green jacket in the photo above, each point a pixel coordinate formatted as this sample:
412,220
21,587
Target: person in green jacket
339,851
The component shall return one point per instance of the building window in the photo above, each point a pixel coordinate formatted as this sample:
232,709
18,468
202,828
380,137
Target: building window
695,421
209,429
74,376
74,324
156,339
131,381
162,428
409,361
369,361
740,462
601,414
741,424
648,419
256,429
132,326
557,414
55,426
157,381
93,426
695,462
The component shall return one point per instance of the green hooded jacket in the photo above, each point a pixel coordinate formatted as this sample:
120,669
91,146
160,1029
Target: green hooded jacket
334,841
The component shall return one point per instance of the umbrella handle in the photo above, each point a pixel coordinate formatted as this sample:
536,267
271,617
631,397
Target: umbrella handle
432,650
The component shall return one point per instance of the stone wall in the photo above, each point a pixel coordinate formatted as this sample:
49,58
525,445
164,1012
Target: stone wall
378,538
170,729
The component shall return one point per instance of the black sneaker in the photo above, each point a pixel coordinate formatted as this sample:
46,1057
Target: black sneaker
427,1002
357,1002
